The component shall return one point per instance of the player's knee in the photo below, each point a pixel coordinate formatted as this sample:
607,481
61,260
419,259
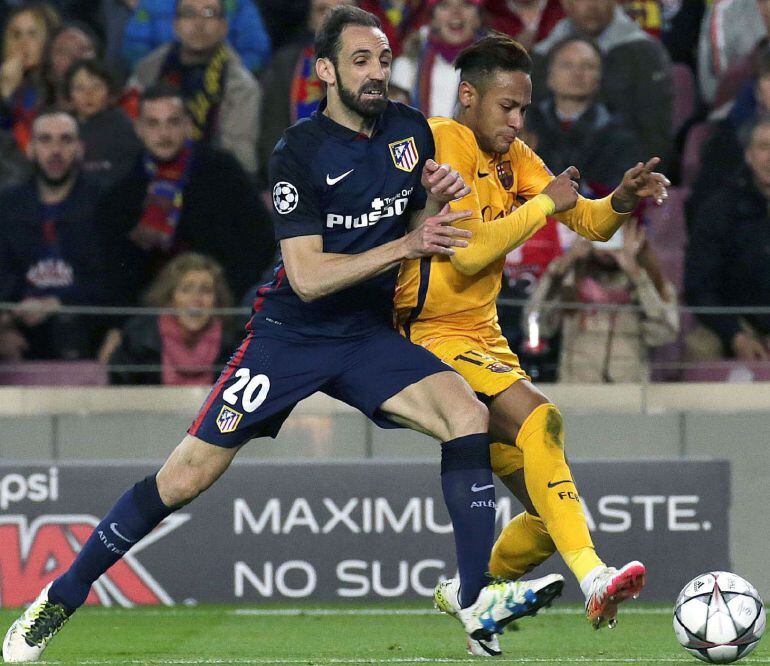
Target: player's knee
547,420
179,490
554,425
471,418
181,482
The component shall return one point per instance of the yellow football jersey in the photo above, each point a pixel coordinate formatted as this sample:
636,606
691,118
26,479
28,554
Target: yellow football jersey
442,296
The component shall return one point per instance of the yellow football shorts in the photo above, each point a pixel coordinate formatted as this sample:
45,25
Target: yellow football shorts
490,368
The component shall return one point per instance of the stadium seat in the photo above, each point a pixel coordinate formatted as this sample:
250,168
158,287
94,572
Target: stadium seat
666,225
666,229
54,373
685,96
691,154
727,371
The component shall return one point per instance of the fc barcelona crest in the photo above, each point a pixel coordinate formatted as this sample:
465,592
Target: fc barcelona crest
404,154
505,174
228,419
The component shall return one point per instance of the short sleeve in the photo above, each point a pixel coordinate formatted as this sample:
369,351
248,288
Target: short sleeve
296,210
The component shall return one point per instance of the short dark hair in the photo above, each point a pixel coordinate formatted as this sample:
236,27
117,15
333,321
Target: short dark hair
327,39
563,43
160,90
95,68
496,51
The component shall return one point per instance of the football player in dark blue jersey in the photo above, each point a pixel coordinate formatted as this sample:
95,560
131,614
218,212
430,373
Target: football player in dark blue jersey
355,192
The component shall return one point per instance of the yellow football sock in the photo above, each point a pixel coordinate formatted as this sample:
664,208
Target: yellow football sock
522,545
553,492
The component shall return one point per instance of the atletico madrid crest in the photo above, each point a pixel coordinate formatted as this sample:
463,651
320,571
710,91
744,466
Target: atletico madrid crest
404,154
505,174
228,419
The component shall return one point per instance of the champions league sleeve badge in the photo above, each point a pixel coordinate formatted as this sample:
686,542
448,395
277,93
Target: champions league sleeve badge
404,154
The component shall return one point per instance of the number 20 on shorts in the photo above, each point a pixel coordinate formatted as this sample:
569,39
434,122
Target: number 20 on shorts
255,390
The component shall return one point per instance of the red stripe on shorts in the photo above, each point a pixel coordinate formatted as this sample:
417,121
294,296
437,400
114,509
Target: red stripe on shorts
231,368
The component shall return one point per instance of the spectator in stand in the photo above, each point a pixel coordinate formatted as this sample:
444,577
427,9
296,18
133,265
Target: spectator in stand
636,79
184,348
398,18
527,21
606,345
51,249
571,127
22,81
182,196
69,42
292,88
727,260
155,22
425,72
222,97
723,153
734,81
729,32
110,144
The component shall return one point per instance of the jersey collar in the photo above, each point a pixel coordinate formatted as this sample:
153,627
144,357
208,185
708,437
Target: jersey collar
343,132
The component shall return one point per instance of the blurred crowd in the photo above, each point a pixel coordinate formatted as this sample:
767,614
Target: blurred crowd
135,134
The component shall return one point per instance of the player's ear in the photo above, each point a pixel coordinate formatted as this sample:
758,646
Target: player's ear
324,69
466,94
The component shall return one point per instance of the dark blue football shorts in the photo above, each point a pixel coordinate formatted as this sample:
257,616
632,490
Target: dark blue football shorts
267,376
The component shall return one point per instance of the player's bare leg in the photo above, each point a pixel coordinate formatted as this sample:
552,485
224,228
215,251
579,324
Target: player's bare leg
190,469
444,406
554,517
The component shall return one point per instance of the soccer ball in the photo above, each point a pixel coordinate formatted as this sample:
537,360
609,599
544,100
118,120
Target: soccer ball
719,617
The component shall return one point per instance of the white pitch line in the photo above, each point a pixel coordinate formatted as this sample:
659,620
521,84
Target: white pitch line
270,612
181,611
396,660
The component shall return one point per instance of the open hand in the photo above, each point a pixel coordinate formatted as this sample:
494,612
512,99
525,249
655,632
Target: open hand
34,311
436,236
11,75
639,182
747,348
443,183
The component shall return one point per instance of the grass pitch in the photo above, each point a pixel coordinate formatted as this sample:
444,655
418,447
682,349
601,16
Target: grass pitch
355,634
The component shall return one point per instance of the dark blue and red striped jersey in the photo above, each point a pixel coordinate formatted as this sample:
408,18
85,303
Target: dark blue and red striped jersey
357,193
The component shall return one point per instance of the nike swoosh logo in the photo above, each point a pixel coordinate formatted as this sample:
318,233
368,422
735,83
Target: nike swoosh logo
553,484
481,175
113,527
478,489
334,181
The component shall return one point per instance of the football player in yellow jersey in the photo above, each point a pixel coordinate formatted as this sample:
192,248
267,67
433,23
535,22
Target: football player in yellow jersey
447,304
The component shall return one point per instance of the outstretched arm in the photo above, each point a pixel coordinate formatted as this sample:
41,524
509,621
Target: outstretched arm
599,219
314,273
